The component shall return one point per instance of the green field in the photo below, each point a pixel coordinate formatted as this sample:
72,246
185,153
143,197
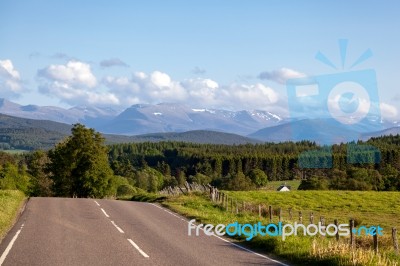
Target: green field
10,203
273,185
368,208
15,151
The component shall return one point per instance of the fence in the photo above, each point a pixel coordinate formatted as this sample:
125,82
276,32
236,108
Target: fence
185,189
232,205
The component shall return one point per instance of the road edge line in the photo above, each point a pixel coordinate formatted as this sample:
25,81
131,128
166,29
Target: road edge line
10,245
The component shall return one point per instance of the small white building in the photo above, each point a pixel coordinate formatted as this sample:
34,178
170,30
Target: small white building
283,188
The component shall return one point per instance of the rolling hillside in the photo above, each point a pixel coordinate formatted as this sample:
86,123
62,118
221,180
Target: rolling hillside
30,134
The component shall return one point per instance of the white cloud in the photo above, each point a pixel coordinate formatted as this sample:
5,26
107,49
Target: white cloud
199,92
10,80
388,111
281,75
74,83
73,73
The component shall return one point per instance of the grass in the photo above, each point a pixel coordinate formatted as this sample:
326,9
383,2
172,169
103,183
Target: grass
381,208
10,204
366,207
273,185
15,151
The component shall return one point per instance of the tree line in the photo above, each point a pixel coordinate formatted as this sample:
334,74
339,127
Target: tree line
371,165
83,166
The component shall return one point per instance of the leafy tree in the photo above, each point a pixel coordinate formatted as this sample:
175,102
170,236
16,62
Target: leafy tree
240,182
258,177
314,183
40,183
201,179
149,179
79,165
11,177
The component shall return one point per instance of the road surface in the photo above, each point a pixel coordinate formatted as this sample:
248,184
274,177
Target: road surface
60,231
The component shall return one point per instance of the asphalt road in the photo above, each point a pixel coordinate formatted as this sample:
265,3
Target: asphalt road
59,231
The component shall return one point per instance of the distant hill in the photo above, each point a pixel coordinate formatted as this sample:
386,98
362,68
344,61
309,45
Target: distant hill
197,136
386,132
322,131
30,134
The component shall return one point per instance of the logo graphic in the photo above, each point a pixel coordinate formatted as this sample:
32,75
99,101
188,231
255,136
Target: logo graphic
282,230
336,108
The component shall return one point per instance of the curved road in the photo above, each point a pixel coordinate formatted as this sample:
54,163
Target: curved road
60,231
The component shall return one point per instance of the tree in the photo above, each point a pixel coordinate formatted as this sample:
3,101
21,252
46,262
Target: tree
240,182
79,165
258,177
40,183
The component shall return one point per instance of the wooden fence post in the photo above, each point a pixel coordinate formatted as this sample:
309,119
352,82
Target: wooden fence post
311,218
322,222
300,217
280,214
395,243
337,233
351,233
231,205
375,237
270,212
290,214
259,210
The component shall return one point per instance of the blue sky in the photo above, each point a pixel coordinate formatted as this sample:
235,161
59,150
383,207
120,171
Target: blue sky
203,53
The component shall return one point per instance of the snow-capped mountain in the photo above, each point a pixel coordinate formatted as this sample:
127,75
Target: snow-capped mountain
147,118
166,117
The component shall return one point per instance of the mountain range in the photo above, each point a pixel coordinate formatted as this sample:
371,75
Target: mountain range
145,118
179,122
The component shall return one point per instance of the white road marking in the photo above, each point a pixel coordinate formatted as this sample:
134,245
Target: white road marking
97,203
138,248
116,226
225,240
104,212
5,253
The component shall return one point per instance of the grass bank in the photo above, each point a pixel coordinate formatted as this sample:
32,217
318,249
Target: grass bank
10,203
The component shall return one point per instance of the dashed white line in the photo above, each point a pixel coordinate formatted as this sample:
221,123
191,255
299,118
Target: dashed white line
5,253
97,203
138,248
104,212
118,228
225,240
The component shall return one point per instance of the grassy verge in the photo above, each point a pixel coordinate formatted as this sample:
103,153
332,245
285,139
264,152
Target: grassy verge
299,249
10,204
148,197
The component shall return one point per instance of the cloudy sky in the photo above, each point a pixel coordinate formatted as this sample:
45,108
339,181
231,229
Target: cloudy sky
226,54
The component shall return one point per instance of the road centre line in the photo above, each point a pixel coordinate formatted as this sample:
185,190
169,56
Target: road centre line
138,248
118,228
225,240
7,250
97,203
105,213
